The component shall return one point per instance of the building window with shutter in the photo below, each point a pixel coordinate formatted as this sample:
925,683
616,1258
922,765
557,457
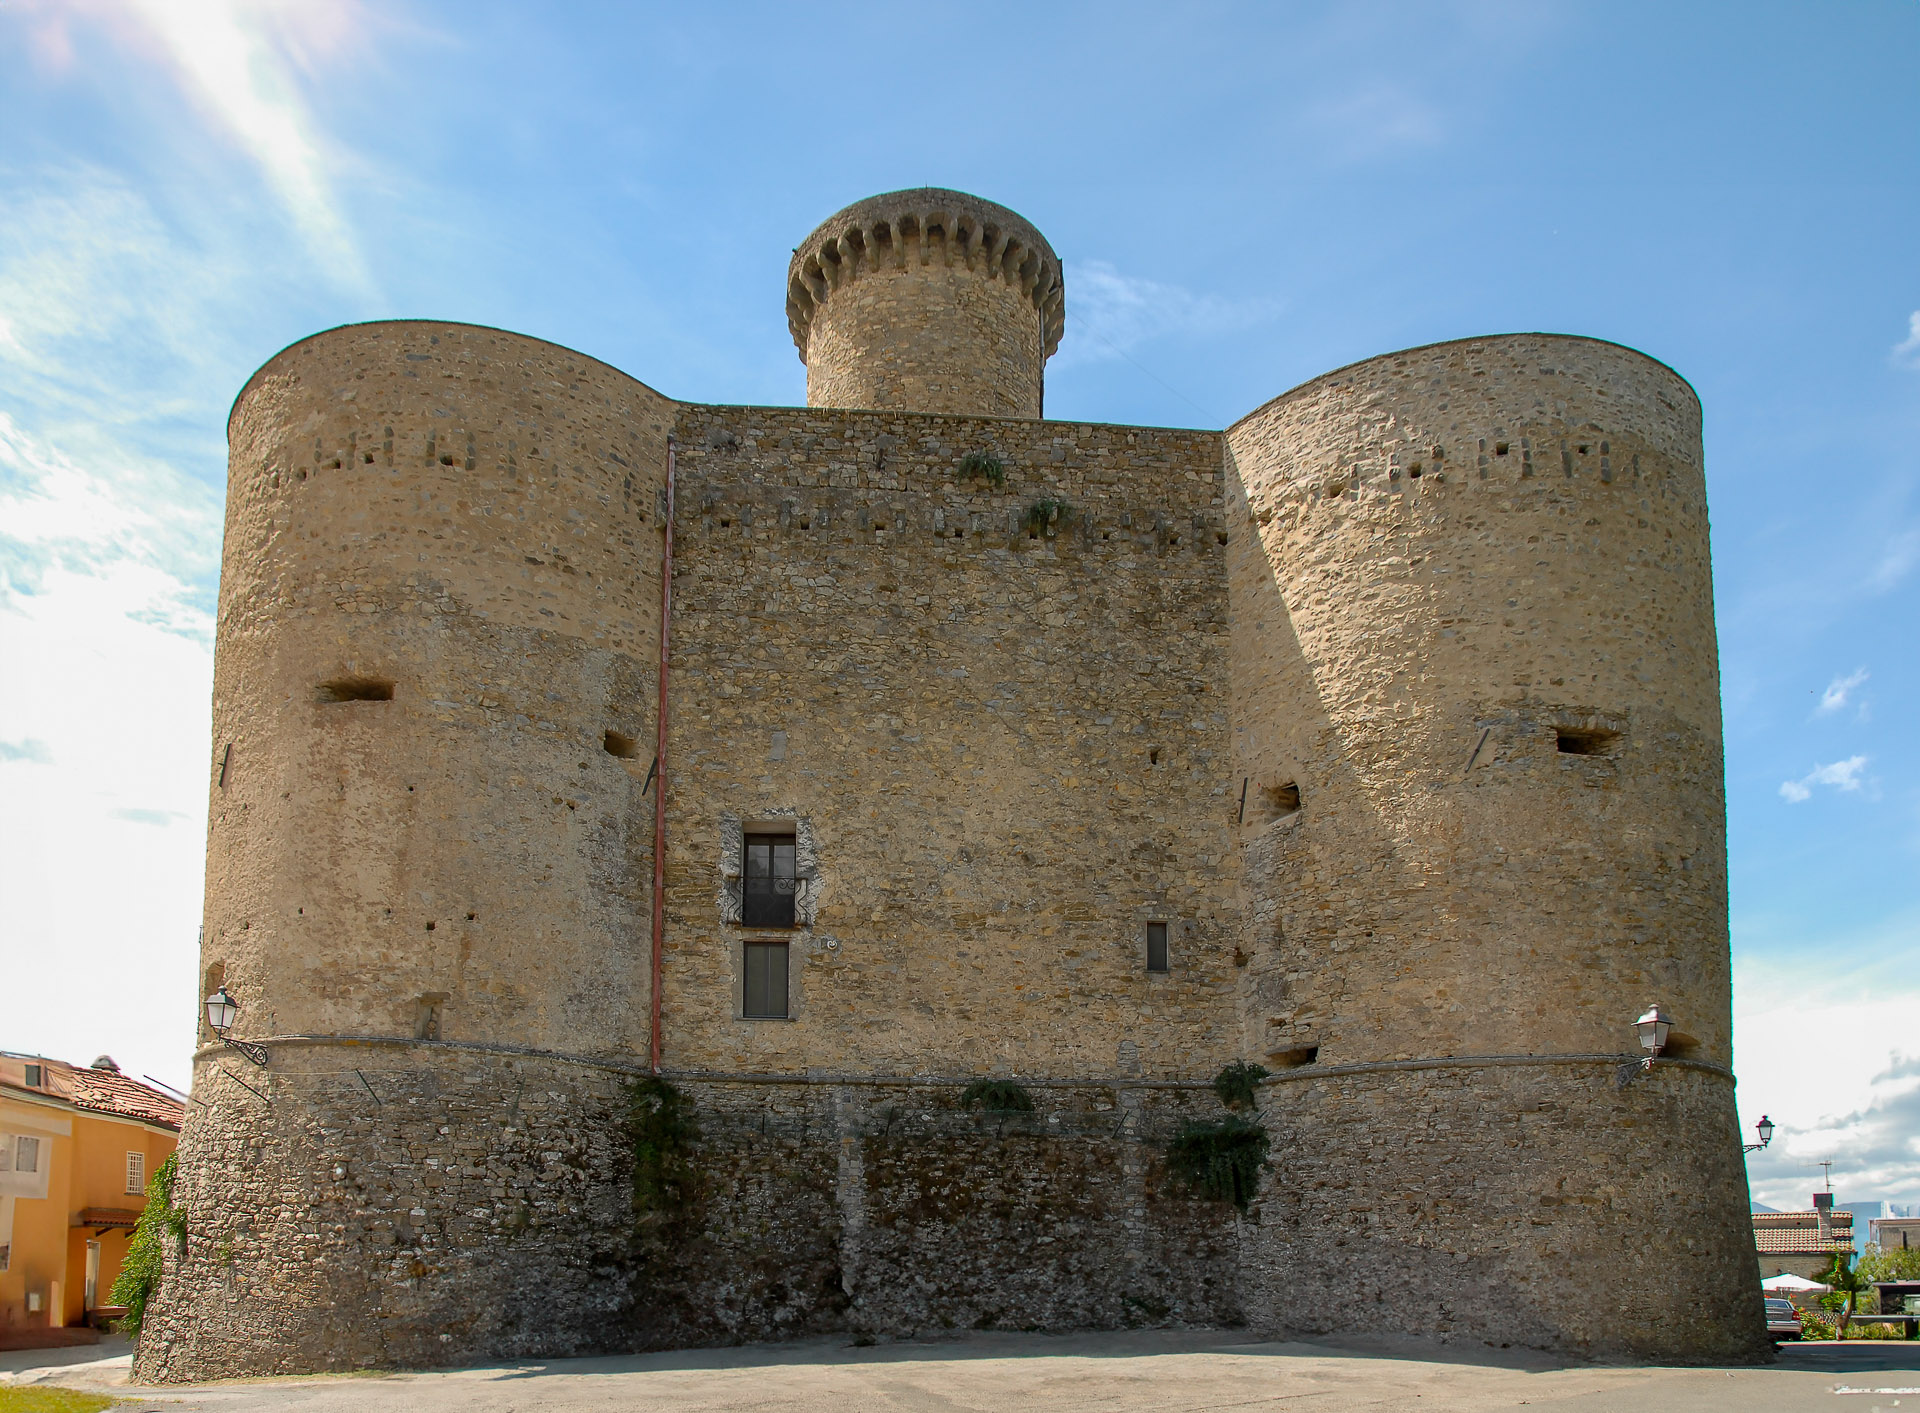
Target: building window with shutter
767,895
763,991
136,1172
1157,947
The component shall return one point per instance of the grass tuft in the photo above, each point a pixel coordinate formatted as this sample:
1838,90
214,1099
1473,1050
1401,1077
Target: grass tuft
984,466
44,1398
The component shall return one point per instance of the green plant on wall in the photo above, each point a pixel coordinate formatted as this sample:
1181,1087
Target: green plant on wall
667,1185
160,1221
1043,513
1220,1160
984,466
997,1096
1238,1083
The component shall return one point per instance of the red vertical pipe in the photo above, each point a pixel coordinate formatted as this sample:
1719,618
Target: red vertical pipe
660,770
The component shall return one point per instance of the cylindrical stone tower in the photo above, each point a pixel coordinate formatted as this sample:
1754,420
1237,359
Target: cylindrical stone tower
1477,709
428,853
926,301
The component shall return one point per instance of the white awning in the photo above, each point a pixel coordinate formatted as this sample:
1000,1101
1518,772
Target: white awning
1791,1282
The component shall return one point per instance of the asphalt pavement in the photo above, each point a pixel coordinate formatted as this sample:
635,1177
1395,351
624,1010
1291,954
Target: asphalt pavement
1164,1371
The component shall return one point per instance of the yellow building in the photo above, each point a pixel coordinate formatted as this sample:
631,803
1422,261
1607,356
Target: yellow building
76,1149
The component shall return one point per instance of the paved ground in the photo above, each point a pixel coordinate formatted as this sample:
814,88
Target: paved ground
1167,1372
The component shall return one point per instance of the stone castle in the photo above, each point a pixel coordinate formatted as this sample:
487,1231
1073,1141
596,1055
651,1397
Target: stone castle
827,760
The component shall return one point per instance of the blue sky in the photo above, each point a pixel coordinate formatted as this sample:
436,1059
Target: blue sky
1244,196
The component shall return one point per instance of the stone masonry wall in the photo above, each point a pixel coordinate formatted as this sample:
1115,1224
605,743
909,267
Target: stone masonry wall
1455,556
1006,743
1477,708
421,1205
1536,1205
469,518
927,340
1011,721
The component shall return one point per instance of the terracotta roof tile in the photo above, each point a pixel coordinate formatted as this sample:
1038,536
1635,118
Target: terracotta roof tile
104,1092
108,1093
1800,1233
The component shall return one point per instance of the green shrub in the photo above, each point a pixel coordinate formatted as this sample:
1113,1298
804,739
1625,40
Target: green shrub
1869,1328
140,1273
1813,1325
1897,1263
997,1096
984,466
1238,1083
1220,1160
666,1184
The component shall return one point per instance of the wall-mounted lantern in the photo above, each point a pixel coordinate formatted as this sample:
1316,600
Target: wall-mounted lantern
1765,1129
1652,1028
222,1011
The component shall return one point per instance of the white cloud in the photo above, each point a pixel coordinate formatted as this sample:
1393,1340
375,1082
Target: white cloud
1839,690
1831,1053
1376,118
1908,353
131,327
237,61
109,656
1842,775
1902,553
1109,313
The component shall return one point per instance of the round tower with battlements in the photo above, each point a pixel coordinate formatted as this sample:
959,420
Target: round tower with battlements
926,301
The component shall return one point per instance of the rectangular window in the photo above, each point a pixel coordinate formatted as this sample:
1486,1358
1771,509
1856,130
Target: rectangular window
763,995
26,1154
33,1076
1157,946
767,899
136,1172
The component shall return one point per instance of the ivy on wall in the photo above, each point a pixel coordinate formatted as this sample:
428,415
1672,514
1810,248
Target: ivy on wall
140,1273
667,1186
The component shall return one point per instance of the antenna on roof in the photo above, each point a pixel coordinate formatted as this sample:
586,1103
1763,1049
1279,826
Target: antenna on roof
1826,1167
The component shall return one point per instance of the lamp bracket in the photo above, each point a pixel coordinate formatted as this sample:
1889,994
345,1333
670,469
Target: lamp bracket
256,1053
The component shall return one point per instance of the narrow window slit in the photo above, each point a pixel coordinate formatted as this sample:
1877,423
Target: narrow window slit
1585,741
354,689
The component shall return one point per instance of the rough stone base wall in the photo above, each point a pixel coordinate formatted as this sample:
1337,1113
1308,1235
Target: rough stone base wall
1543,1205
471,1206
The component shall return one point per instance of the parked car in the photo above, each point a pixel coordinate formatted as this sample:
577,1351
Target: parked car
1783,1321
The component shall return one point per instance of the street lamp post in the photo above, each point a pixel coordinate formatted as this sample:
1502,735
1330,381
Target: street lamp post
222,1009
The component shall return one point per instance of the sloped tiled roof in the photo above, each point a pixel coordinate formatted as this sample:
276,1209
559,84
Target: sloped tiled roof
1800,1233
111,1093
103,1091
